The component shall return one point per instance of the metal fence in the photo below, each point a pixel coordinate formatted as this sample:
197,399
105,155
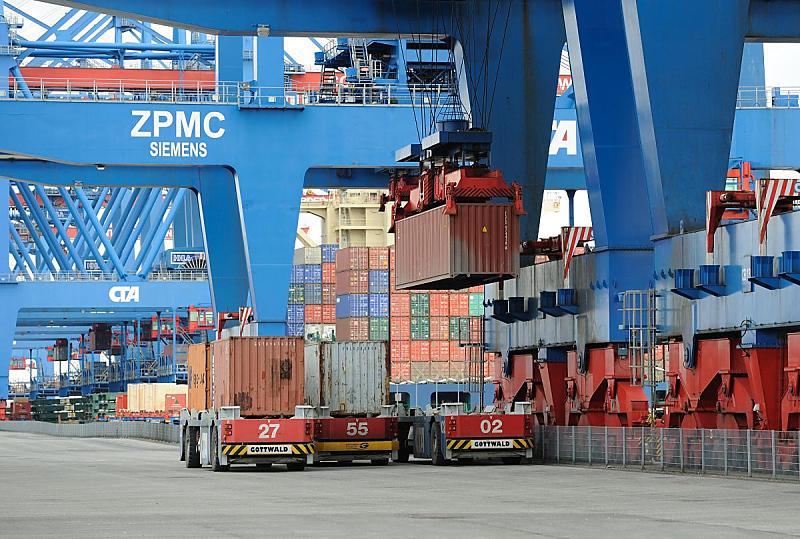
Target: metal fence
142,430
745,453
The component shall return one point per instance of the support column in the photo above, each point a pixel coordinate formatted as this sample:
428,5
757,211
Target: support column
222,231
269,223
9,308
685,59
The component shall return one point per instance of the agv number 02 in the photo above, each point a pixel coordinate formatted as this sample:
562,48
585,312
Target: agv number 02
494,426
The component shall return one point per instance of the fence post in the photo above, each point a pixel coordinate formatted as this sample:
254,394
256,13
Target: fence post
558,443
661,445
544,441
703,450
573,444
643,448
624,446
774,440
589,436
725,451
749,456
680,447
605,442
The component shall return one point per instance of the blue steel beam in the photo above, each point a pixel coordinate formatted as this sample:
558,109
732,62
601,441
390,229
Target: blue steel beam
153,242
109,249
101,262
83,240
135,203
156,205
22,248
54,218
685,142
43,227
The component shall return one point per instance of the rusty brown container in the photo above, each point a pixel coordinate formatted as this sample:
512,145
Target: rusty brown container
262,375
198,372
478,245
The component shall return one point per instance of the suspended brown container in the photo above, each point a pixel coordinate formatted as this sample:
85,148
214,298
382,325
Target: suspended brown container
263,376
478,245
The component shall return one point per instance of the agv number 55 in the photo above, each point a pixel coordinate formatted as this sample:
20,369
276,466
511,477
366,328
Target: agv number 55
354,428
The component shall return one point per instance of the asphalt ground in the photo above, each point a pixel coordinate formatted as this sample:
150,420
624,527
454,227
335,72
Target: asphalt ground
71,487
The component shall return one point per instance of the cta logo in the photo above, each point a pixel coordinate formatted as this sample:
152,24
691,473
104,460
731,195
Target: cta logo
565,137
177,126
124,294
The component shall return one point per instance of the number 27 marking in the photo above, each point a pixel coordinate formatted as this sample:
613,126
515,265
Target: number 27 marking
267,430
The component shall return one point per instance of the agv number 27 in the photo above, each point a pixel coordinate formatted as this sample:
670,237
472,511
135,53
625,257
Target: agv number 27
268,430
495,426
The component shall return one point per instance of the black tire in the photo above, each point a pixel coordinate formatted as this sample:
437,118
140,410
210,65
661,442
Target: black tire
512,460
437,453
192,449
263,465
296,466
215,465
403,452
379,462
183,446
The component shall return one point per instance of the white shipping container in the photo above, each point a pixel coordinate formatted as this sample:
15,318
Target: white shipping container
348,377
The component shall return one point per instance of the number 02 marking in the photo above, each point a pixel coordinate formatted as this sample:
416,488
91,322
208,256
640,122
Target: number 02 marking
494,426
268,430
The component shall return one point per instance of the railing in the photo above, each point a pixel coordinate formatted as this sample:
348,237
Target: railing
166,275
178,275
143,430
744,453
228,93
759,97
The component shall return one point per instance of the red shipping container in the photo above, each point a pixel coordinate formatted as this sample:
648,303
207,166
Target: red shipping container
122,402
440,304
352,258
400,328
329,294
477,245
352,329
475,327
313,314
352,282
400,350
329,314
378,258
391,257
401,372
440,328
440,350
457,353
459,304
329,272
420,350
174,402
400,304
475,289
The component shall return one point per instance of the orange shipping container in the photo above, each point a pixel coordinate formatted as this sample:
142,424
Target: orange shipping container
198,373
329,314
378,258
352,282
352,258
475,289
122,402
459,304
328,294
440,304
400,304
174,403
457,353
400,328
313,314
440,328
420,350
264,376
401,372
329,273
440,350
401,350
352,329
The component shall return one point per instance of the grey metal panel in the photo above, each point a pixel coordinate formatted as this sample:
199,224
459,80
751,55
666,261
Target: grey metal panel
313,382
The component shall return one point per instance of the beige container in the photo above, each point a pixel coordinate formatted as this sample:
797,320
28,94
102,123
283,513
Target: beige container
151,397
199,371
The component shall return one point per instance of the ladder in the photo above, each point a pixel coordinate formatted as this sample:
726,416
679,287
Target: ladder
327,84
647,365
359,58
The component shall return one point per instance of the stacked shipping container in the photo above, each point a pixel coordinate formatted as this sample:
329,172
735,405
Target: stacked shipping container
362,290
311,312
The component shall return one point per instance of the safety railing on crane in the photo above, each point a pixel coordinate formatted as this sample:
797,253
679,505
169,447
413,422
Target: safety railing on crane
759,97
167,275
228,93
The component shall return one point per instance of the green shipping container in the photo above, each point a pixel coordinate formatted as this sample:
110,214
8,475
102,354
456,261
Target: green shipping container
296,294
420,305
420,328
476,304
379,329
459,324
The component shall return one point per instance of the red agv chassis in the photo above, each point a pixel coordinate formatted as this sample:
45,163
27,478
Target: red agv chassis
453,435
346,439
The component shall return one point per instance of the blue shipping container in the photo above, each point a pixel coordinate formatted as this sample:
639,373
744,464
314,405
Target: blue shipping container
297,275
312,273
379,281
329,252
379,305
295,314
295,330
313,294
352,305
